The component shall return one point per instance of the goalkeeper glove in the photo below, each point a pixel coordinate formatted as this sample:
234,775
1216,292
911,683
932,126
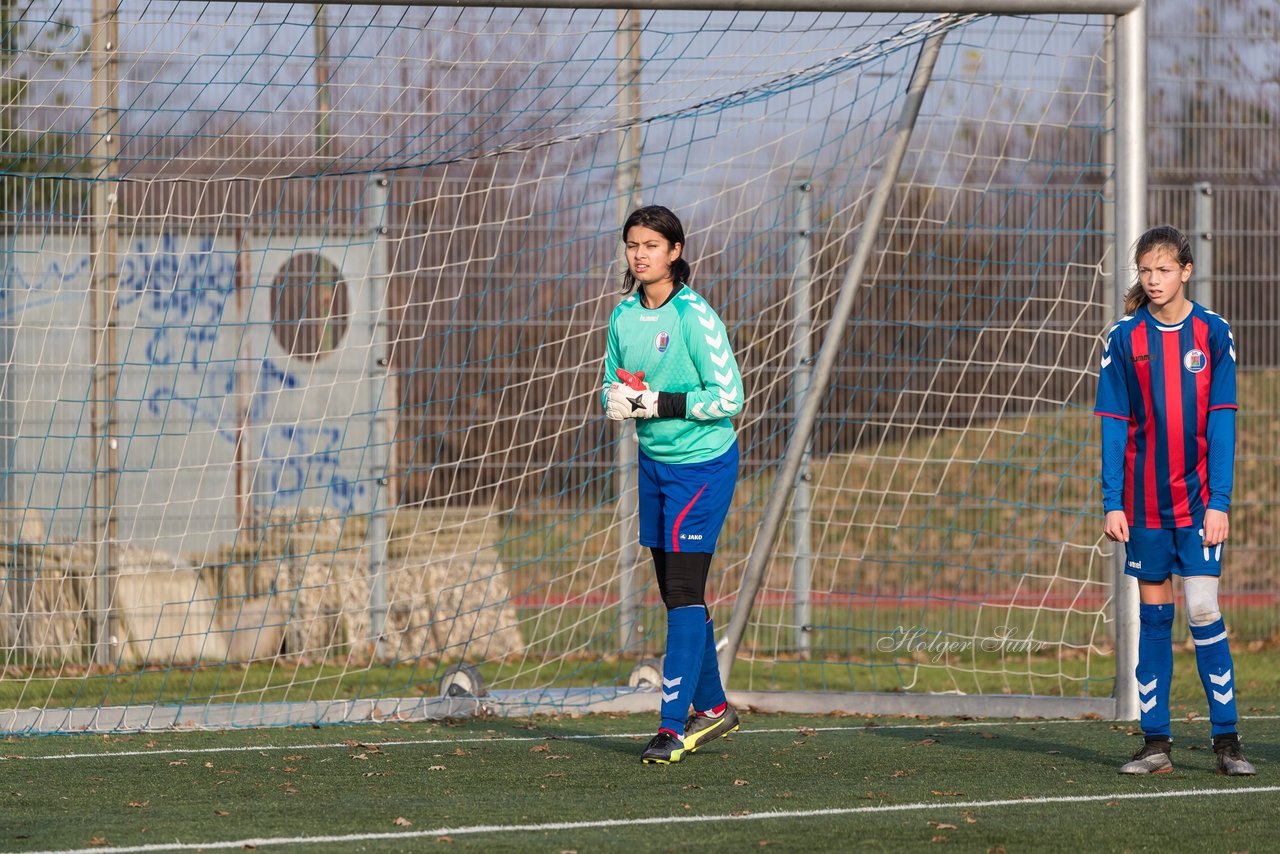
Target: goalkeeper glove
622,403
635,381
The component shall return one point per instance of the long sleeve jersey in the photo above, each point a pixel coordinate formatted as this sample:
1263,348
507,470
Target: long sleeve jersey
683,347
1172,390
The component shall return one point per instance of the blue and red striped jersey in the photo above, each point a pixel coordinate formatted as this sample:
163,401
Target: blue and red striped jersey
1164,381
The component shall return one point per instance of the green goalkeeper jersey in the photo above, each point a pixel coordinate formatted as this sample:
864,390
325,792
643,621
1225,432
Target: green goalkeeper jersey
682,346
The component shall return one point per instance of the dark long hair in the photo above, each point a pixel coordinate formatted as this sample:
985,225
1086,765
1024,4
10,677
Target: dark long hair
1162,235
667,224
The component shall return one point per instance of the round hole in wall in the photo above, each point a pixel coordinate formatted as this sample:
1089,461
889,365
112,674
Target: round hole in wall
310,308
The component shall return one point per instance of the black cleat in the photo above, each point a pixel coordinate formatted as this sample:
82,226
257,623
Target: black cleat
1231,760
701,729
664,749
1153,758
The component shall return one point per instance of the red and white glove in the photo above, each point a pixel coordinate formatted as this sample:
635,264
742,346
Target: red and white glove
632,398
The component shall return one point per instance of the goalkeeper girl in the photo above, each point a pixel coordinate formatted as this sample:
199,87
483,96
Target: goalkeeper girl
1167,397
669,365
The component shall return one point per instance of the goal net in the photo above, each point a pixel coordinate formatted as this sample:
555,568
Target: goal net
304,326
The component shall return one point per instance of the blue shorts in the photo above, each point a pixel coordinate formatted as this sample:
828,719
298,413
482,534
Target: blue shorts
1153,554
683,505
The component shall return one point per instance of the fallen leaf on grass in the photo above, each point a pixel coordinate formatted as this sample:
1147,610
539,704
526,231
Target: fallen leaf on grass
401,821
948,794
221,813
808,731
459,752
138,804
741,783
942,825
444,839
98,840
437,768
924,742
177,762
938,838
741,812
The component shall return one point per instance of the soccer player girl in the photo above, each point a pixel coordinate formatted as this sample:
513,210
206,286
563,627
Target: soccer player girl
1167,398
669,365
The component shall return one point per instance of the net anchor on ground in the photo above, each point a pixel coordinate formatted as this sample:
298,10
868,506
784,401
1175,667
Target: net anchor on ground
462,680
647,674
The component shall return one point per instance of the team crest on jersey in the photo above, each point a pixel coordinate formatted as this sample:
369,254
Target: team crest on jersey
1194,361
661,342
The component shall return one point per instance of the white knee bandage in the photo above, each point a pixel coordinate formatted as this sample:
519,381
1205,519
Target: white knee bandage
1202,600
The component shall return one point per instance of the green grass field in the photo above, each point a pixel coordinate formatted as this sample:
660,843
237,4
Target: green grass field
785,782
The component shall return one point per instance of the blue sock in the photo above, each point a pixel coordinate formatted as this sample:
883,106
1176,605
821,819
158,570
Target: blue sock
1155,668
686,639
709,693
1213,658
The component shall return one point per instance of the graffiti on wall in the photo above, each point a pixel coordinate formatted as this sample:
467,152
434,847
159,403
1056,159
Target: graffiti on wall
298,458
188,350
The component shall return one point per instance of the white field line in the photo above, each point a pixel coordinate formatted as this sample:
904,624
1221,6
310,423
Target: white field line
516,739
657,820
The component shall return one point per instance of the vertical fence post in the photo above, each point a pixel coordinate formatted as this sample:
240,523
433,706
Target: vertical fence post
801,376
377,369
104,273
324,102
13,570
1202,243
628,195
